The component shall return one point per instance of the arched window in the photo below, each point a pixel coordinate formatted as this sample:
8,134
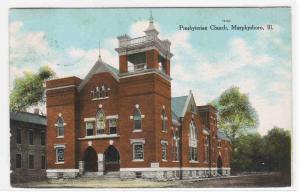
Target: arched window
100,91
175,144
60,127
193,146
100,122
193,130
164,118
137,117
206,151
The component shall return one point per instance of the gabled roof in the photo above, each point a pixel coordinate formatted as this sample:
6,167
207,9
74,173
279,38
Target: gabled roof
221,135
178,104
28,117
115,70
99,67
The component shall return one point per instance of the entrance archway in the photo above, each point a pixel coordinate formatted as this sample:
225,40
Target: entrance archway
90,160
219,165
111,159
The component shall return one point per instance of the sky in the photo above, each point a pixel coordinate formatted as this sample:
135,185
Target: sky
206,62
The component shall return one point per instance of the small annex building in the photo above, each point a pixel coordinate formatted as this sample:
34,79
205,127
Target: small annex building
27,146
125,121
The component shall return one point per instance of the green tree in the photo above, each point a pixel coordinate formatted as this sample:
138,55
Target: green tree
29,90
248,154
278,150
236,114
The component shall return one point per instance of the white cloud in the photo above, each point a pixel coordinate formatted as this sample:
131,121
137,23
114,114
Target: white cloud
28,51
239,54
137,29
30,48
180,40
85,59
272,114
111,44
14,72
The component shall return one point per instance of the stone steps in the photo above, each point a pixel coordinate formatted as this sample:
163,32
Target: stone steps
91,175
111,174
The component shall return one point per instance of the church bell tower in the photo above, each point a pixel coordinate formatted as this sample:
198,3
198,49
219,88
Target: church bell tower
144,89
144,54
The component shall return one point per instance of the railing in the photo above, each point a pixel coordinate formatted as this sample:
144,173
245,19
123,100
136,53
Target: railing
141,40
137,67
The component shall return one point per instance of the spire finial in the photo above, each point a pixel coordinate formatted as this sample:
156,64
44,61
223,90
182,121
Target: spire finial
99,58
151,17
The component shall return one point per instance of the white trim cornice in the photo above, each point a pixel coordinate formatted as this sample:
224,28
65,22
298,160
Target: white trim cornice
102,136
89,119
140,140
61,87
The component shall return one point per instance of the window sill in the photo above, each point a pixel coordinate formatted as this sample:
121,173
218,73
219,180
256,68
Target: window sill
175,161
164,131
137,130
60,137
100,98
100,136
193,161
164,160
58,163
138,160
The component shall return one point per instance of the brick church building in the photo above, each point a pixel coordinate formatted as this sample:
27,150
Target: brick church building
126,122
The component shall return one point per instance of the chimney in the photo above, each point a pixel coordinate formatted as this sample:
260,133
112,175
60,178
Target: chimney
36,111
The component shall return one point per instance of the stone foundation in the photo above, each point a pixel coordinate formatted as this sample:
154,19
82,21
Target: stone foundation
62,173
172,174
159,174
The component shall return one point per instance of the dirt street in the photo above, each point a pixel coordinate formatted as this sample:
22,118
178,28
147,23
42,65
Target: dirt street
257,180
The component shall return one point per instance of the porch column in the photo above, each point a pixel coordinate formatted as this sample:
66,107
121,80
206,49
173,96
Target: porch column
81,167
100,164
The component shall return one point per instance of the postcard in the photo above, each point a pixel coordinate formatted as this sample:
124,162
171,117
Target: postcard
150,97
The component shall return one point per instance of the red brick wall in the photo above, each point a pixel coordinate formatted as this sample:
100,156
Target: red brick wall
88,107
61,101
63,82
185,141
123,64
168,69
151,92
222,152
152,59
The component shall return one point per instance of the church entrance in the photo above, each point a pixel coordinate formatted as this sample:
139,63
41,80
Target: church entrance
219,165
90,160
111,159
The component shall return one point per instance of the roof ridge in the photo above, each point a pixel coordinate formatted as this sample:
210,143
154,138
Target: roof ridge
27,113
180,96
94,71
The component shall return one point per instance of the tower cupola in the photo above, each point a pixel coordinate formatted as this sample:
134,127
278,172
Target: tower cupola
145,53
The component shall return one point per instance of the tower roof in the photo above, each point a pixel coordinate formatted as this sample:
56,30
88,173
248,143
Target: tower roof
151,28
